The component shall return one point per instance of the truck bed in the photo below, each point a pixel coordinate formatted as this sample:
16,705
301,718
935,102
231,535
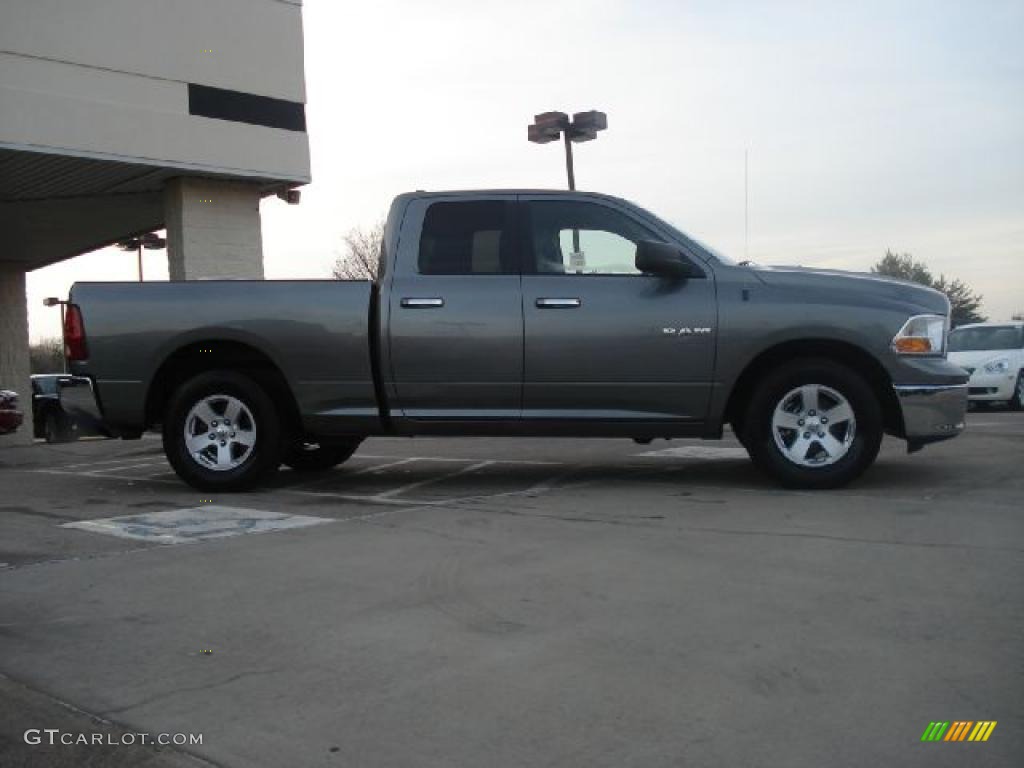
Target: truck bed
316,331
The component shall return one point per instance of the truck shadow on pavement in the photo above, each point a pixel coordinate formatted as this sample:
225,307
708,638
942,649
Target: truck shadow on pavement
413,483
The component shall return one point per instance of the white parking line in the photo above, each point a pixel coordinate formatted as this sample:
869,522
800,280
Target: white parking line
363,499
544,486
390,496
387,497
387,465
373,469
95,472
431,480
105,476
697,452
463,459
122,460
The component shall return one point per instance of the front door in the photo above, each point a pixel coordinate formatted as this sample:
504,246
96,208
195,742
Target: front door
604,342
456,313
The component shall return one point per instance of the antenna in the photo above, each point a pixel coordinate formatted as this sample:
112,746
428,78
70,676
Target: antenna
746,209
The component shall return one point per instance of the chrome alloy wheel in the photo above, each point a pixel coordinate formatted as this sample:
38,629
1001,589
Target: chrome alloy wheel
813,425
220,432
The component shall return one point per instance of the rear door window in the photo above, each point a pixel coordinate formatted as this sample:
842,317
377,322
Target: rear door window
468,238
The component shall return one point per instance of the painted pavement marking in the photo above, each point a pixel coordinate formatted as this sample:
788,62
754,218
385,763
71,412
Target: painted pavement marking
180,526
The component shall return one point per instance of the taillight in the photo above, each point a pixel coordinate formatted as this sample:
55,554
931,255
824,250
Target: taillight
74,334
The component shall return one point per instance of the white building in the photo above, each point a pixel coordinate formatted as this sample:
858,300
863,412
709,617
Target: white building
118,117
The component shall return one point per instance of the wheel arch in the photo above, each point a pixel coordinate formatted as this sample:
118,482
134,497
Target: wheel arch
196,357
851,355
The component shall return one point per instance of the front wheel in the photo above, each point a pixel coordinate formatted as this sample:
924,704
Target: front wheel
222,432
813,424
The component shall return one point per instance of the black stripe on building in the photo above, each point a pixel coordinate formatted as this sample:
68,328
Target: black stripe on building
239,107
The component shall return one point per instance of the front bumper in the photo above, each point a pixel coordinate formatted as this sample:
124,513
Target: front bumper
985,387
932,412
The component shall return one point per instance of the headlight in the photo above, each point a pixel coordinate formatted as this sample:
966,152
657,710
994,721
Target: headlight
1002,365
921,335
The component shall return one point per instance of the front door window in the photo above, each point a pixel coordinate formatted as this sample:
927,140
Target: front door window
578,238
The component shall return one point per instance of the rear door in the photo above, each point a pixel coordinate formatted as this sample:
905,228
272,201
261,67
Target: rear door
604,342
456,312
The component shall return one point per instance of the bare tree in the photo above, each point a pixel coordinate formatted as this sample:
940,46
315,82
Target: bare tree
362,254
47,356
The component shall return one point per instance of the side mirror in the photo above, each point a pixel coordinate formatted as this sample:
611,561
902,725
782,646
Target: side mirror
665,260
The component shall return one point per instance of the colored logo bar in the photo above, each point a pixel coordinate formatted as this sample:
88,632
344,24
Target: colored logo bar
959,730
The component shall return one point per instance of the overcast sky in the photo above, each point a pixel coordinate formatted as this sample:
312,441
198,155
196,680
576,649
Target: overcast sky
869,125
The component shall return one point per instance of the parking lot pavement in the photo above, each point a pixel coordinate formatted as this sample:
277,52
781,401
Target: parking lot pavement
518,602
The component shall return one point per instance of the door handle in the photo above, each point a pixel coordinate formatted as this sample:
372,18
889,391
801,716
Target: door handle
415,303
558,303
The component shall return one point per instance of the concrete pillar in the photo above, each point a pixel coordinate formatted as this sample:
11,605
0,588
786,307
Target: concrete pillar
213,229
14,366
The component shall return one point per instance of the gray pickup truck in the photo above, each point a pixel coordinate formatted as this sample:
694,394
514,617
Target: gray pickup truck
526,313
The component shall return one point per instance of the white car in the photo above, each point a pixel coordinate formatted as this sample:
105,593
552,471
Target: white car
993,353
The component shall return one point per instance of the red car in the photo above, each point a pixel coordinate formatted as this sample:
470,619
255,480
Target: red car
10,416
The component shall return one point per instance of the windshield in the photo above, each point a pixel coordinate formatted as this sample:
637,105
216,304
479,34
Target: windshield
986,338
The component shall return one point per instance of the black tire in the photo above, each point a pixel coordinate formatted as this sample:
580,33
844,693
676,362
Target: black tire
1017,401
740,434
261,456
58,427
314,457
860,452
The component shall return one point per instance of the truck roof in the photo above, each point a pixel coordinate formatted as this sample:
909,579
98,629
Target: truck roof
520,191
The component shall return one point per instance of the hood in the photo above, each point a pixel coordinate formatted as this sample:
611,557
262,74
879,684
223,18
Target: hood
919,296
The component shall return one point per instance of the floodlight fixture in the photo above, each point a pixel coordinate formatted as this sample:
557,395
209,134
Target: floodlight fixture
151,241
584,126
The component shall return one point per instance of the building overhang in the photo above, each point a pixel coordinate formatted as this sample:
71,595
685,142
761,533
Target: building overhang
55,206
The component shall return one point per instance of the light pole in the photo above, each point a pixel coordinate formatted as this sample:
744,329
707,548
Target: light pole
150,241
53,301
584,126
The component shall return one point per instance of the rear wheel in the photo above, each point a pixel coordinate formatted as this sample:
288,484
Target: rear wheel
813,424
222,432
316,457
